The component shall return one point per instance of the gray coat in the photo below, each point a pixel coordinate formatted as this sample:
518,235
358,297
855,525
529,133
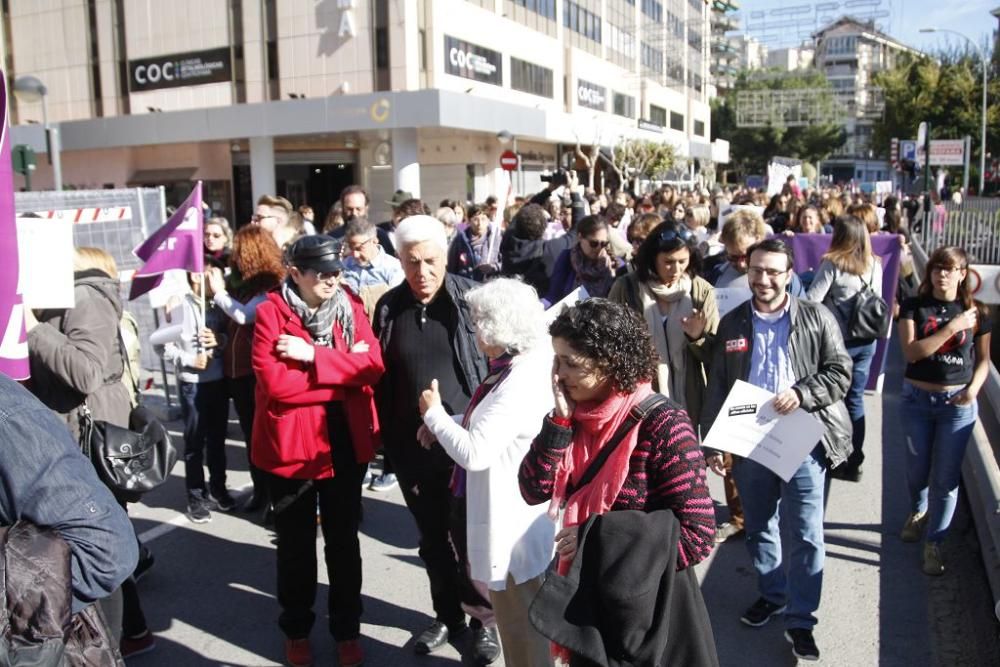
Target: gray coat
820,360
76,355
836,289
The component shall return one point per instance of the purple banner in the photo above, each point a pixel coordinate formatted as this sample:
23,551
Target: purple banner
809,250
14,341
178,244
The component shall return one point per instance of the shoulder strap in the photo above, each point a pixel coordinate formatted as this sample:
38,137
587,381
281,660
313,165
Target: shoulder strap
635,417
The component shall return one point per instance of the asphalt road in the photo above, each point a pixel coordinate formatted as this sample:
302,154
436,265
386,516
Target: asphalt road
210,597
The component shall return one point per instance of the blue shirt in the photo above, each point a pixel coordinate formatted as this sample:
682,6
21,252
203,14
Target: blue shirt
383,270
770,365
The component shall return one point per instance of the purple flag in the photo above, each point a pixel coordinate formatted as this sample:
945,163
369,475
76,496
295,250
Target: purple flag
809,250
13,339
176,245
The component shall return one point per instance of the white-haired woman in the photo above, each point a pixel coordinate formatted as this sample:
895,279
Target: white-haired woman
509,542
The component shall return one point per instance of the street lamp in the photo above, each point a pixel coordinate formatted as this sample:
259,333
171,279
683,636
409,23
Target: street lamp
505,137
31,89
982,139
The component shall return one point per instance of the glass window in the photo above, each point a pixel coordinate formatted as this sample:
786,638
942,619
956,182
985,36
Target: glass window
658,115
699,128
624,105
676,121
530,78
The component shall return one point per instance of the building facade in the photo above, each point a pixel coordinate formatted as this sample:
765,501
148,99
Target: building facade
850,53
302,97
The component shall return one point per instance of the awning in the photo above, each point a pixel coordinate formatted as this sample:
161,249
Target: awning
161,176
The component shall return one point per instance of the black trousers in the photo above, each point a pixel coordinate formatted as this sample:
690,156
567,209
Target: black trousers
339,500
241,390
425,490
205,408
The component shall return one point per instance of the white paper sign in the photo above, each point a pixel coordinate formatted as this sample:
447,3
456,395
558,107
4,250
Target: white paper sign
45,262
729,298
748,426
571,299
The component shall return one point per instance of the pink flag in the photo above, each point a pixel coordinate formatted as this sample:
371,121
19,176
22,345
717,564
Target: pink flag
13,339
176,245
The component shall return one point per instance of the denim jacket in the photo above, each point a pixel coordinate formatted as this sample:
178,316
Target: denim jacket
45,479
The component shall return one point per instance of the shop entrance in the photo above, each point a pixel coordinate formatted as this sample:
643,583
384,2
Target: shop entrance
317,183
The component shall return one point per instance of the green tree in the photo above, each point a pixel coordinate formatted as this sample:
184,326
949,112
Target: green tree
945,91
750,148
643,160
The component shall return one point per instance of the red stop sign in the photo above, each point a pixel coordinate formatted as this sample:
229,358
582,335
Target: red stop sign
508,160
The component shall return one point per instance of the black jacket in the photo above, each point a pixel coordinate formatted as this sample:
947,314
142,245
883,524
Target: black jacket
623,602
470,359
821,364
523,257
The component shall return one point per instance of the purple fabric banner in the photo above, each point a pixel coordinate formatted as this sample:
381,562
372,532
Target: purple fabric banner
178,244
809,249
14,341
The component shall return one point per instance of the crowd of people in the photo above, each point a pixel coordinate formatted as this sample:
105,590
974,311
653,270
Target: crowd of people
519,434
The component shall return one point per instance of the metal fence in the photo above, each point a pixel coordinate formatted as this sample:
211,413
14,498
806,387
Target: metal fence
116,221
974,226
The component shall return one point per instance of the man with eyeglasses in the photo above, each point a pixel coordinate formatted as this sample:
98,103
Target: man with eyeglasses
354,204
794,349
369,271
272,214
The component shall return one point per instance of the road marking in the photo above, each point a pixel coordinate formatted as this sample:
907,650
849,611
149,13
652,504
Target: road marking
159,531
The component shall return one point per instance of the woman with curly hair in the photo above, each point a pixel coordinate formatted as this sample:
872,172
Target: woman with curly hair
256,269
604,366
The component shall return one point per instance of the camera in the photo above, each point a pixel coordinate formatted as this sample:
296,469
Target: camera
556,178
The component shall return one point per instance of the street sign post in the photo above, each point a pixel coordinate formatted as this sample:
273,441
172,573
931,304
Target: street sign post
508,160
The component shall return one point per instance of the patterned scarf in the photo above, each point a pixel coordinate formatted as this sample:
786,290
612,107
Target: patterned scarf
596,275
499,369
336,309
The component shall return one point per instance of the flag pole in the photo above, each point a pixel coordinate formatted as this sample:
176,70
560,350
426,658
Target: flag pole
204,277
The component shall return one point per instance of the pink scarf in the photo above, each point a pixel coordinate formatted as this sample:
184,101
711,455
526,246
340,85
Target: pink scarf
596,423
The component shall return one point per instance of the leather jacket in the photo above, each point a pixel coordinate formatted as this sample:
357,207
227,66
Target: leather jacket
819,359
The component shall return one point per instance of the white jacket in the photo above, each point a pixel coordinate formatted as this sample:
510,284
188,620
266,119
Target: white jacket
505,534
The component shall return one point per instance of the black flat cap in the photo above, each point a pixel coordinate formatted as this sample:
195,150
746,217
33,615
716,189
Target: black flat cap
317,252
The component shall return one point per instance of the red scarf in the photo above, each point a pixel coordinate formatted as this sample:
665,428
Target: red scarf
595,424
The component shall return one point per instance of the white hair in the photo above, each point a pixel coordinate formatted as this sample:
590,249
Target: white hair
508,314
447,216
421,229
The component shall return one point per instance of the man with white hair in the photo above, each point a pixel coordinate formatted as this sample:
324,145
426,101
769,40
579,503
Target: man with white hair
426,332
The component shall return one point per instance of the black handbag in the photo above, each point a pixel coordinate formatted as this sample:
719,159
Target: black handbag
130,463
869,318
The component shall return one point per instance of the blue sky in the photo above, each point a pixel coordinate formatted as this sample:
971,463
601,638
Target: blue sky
904,20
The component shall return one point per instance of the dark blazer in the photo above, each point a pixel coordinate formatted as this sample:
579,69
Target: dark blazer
623,602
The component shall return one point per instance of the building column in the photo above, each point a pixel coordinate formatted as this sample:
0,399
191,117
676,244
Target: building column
262,180
405,162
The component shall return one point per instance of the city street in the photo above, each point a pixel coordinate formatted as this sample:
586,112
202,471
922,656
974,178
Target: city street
210,599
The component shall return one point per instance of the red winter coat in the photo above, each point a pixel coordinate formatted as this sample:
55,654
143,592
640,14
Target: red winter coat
290,437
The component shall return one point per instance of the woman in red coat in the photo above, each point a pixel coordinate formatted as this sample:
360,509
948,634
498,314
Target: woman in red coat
315,429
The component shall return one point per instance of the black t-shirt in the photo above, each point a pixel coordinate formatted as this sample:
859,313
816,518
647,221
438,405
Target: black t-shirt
419,351
952,363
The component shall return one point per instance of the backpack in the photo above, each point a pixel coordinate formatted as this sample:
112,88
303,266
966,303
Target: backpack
869,315
37,625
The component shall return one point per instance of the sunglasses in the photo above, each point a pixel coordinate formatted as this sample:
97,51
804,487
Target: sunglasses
735,258
671,235
257,217
325,276
597,245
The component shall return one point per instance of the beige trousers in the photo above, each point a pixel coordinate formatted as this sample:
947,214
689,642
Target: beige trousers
522,645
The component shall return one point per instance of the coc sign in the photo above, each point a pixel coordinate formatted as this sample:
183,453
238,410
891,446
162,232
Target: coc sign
591,95
474,62
181,69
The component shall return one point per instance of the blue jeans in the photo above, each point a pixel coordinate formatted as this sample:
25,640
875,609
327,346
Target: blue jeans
937,434
764,494
205,410
862,356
